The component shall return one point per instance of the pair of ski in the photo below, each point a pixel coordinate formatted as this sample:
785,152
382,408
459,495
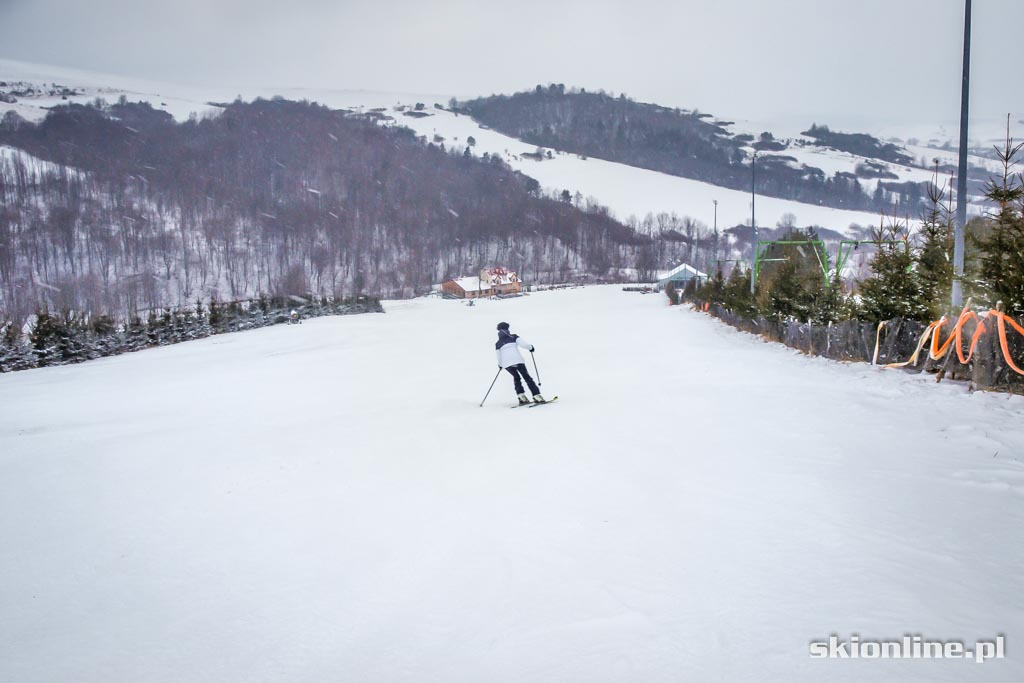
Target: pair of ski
536,403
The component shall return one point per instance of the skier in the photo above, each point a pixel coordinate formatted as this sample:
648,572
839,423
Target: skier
293,318
510,359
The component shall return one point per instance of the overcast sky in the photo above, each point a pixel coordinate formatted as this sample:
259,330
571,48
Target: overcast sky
889,60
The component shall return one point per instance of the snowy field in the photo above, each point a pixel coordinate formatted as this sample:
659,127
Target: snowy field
327,502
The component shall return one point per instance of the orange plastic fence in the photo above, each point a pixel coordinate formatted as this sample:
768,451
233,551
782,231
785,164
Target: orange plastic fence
1002,319
917,352
938,351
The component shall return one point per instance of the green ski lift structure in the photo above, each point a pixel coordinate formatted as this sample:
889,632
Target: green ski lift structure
844,251
821,255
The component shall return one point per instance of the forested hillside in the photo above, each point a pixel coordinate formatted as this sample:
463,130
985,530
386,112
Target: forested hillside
686,144
117,208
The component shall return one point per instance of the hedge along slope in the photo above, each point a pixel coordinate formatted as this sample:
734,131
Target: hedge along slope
897,340
69,338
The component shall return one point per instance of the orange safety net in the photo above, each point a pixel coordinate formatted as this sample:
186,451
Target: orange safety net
1002,319
938,350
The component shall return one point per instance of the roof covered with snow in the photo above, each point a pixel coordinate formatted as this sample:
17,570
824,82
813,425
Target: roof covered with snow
683,271
470,284
499,276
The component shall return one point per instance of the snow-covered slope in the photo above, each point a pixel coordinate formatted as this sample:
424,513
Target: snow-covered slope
35,166
941,145
180,101
49,83
921,141
626,190
325,502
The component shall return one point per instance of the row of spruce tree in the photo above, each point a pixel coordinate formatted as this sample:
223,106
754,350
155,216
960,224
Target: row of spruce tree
911,272
70,337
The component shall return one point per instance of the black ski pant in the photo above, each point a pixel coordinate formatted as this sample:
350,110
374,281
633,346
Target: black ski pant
519,373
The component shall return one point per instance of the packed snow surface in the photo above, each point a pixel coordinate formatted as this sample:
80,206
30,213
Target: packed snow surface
327,502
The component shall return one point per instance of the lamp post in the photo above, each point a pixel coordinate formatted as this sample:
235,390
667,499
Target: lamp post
753,221
961,180
715,233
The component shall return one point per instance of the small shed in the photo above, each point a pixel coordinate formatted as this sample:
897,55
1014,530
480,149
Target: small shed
467,287
680,275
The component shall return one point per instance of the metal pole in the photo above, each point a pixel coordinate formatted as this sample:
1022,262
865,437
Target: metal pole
753,221
708,274
961,181
490,387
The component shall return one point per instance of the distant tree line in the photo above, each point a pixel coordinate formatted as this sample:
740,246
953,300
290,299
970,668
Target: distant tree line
686,144
860,144
120,209
911,271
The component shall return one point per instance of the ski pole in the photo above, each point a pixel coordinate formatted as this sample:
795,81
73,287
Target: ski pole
490,387
535,370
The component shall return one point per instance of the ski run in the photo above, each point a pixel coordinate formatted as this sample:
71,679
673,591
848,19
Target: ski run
328,502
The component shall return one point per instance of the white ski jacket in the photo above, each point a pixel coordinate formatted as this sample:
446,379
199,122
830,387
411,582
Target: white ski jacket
508,349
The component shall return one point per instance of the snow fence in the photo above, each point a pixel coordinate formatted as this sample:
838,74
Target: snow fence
896,341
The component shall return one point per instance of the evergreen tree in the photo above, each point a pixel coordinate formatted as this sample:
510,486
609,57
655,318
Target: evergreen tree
15,353
736,294
712,291
136,335
1002,259
672,294
216,318
894,289
935,255
832,304
57,339
104,340
792,284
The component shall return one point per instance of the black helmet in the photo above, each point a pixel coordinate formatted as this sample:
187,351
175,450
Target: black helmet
503,326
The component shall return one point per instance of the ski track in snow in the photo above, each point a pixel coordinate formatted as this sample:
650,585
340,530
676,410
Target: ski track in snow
327,502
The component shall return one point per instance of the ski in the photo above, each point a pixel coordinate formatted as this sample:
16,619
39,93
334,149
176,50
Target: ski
533,404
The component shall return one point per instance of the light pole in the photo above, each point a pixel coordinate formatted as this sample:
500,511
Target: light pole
753,221
715,233
961,180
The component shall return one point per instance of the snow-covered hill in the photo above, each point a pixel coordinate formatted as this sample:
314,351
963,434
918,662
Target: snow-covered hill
34,166
626,190
181,101
328,502
922,141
